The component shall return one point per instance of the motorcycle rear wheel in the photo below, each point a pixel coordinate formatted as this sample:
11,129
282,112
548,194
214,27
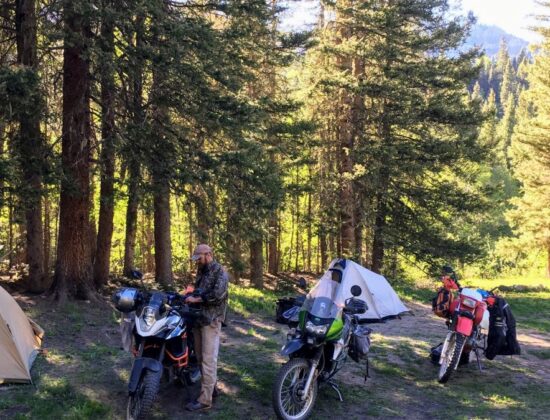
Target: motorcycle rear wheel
286,401
452,357
141,403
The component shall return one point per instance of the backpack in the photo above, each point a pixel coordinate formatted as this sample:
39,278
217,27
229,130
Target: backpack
442,302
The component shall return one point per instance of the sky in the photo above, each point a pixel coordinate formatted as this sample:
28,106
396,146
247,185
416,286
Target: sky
511,15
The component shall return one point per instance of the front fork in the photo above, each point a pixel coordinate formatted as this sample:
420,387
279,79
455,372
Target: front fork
445,347
311,374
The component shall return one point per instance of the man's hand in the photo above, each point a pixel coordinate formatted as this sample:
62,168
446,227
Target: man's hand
193,299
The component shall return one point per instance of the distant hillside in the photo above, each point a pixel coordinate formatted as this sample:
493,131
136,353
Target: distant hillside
489,37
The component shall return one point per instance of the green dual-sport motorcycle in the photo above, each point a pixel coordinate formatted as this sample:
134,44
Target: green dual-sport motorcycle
318,347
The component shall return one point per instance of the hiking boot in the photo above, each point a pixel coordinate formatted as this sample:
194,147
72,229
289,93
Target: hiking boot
196,406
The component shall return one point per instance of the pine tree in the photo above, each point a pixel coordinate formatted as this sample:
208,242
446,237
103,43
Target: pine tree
418,131
73,271
531,156
108,134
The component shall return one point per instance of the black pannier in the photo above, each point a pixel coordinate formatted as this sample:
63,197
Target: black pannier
359,345
284,304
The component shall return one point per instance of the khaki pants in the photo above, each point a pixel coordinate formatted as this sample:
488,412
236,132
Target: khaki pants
207,344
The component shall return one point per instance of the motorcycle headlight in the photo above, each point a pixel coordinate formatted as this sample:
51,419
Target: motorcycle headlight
149,316
470,303
316,329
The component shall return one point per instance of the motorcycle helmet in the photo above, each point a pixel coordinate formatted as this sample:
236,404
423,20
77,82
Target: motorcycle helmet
125,300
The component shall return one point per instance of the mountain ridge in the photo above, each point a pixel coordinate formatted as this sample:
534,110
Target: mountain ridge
489,37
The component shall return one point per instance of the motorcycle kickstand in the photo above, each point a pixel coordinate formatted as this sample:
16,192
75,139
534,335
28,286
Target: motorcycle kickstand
335,386
480,367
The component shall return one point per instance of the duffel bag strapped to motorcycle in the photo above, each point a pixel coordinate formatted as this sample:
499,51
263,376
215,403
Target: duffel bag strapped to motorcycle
442,302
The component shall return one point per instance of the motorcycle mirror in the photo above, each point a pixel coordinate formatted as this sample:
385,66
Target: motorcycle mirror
302,284
356,290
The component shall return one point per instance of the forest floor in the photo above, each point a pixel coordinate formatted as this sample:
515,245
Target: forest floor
83,372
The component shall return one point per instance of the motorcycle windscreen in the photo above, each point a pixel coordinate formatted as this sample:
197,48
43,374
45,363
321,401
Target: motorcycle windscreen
321,301
152,311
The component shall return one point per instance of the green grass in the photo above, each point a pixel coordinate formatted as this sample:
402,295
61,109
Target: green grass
95,352
507,281
53,398
531,309
541,354
247,300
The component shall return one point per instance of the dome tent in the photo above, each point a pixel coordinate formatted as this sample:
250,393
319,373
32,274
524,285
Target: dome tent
20,340
381,299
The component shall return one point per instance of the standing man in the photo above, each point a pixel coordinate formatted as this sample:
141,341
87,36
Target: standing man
212,280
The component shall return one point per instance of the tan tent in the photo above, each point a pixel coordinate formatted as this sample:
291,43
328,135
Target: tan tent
20,340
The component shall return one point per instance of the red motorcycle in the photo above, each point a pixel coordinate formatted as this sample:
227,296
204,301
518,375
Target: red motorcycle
467,320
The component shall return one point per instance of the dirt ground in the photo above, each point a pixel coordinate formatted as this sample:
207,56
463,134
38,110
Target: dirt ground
82,347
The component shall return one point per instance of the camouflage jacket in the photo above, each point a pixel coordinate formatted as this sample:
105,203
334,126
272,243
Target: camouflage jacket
213,281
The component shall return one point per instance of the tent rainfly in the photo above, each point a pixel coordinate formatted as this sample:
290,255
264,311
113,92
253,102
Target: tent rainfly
20,340
381,299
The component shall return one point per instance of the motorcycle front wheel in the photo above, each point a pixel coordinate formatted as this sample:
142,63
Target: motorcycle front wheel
288,391
141,402
449,360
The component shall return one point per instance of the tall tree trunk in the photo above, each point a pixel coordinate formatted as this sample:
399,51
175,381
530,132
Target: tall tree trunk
257,263
133,164
161,166
147,242
347,233
378,237
73,271
345,153
163,243
203,221
323,249
233,245
273,263
279,244
235,262
298,234
191,240
378,245
292,230
309,233
358,253
31,151
131,218
107,159
47,236
92,235
10,231
548,260
2,180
